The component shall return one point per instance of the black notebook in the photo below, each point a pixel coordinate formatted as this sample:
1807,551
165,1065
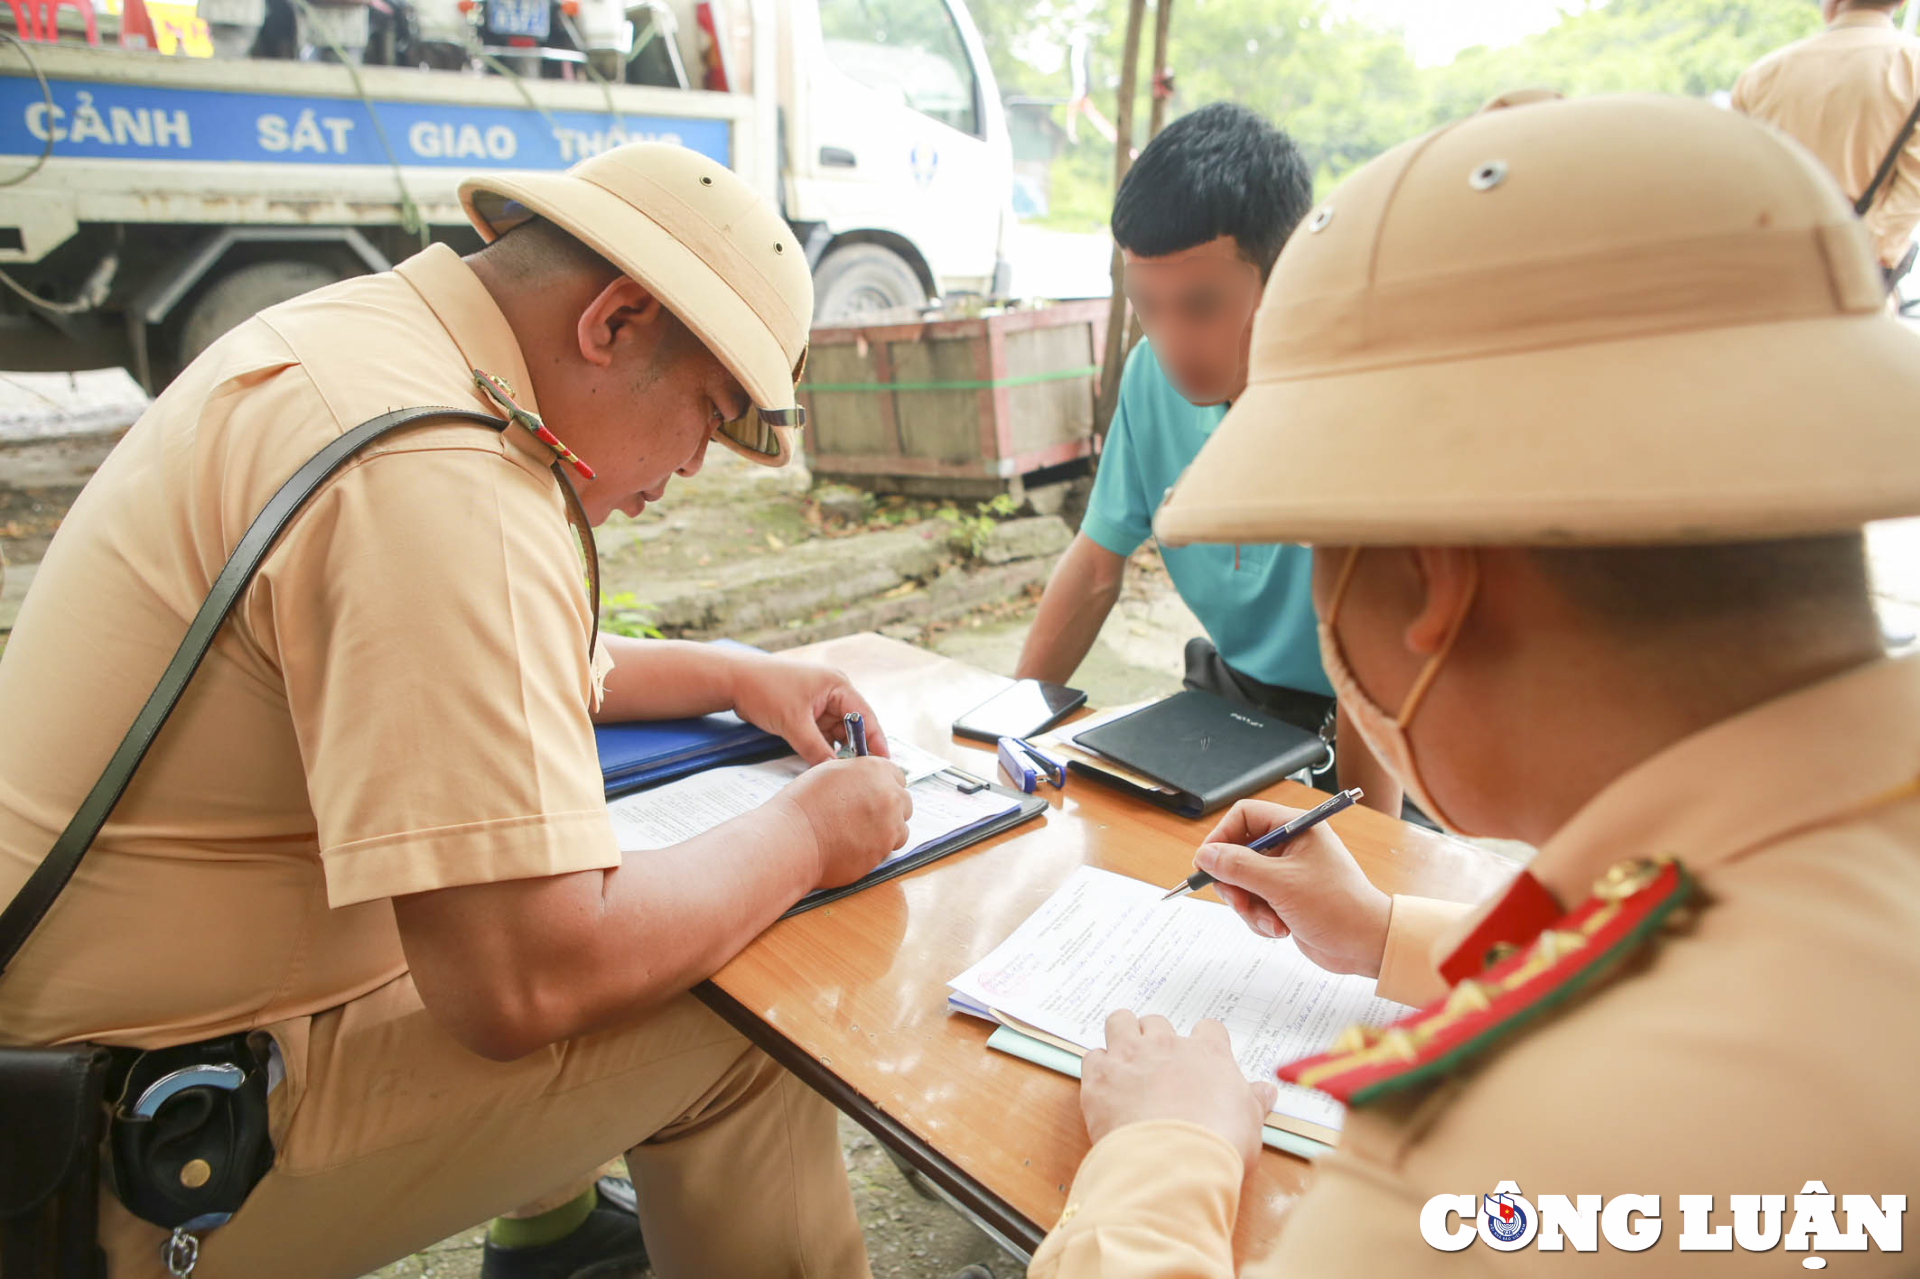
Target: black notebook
1206,749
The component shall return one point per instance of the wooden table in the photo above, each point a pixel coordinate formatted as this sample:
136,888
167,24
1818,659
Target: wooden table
852,996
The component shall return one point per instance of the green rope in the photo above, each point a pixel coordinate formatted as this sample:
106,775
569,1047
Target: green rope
411,218
500,68
606,89
1025,379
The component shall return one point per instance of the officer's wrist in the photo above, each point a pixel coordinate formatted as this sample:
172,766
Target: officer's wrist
798,834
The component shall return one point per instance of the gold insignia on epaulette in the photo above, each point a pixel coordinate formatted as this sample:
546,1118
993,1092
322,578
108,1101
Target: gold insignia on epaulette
1624,879
1631,903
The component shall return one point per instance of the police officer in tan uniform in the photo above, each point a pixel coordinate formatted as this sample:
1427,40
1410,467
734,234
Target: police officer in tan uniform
373,834
1845,95
1615,396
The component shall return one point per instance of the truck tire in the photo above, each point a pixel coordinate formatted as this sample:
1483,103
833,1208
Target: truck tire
240,295
861,279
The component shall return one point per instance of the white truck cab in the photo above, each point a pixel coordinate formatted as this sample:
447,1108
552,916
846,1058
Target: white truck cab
895,97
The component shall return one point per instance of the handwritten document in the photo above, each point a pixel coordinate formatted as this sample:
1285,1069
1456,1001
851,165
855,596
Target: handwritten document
1104,942
916,763
679,810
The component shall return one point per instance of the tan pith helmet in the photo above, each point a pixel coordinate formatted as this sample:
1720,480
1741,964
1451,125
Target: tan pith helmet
1609,320
716,255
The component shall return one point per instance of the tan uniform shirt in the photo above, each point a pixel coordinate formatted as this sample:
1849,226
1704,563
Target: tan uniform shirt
399,703
1771,1045
1844,94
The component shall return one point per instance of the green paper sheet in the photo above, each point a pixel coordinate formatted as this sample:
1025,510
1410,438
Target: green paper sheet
1010,1041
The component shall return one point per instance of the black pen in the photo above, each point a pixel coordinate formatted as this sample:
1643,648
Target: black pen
1273,839
856,732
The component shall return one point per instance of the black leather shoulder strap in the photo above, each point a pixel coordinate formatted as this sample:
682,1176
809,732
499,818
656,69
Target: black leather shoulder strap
1881,174
30,905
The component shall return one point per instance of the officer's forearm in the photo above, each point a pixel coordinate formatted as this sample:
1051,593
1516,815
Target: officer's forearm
664,679
1082,591
508,968
1150,1201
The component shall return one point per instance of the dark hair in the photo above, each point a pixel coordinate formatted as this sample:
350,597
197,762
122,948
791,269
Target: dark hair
1220,170
537,249
1640,589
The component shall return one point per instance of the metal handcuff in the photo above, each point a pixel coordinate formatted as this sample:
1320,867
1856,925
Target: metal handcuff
181,1250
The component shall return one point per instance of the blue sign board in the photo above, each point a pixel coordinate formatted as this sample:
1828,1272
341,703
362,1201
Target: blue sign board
101,120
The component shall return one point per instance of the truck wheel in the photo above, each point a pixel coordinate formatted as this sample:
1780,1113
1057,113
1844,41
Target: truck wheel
863,278
241,294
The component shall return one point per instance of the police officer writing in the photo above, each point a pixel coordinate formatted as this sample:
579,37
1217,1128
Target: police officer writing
1600,394
373,834
1847,95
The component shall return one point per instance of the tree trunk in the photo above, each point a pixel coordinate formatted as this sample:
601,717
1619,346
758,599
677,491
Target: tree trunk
1116,353
1162,77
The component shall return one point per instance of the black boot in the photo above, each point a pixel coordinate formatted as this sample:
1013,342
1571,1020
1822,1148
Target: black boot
607,1245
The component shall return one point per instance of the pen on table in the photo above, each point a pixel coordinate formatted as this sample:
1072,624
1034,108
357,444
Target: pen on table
1273,840
856,732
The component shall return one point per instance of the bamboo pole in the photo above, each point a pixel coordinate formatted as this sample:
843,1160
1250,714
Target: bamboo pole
1116,352
1162,76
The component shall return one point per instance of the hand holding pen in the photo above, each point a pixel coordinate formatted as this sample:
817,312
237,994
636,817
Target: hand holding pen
1316,893
1274,842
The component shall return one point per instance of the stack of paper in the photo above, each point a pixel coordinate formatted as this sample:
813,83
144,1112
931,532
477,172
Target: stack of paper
1104,942
678,811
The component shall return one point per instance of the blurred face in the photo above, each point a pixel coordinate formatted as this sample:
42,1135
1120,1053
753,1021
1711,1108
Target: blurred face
1196,307
644,405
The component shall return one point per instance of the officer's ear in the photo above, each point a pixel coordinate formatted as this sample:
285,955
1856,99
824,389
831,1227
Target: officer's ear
619,314
1448,576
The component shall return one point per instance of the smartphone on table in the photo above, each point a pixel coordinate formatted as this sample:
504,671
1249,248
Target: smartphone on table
1027,707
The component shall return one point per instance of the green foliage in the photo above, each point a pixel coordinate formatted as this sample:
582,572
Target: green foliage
624,614
970,534
1347,90
1691,47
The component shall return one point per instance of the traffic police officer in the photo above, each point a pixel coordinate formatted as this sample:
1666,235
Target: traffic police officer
374,831
1845,94
1599,395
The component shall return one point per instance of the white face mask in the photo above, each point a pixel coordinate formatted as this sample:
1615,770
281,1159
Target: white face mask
1386,735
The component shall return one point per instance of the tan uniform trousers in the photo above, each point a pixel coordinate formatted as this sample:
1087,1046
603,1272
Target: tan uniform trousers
389,1136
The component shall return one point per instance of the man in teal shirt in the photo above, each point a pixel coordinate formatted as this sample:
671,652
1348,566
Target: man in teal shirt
1200,220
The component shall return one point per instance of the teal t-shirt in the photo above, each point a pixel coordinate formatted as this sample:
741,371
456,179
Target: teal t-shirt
1258,612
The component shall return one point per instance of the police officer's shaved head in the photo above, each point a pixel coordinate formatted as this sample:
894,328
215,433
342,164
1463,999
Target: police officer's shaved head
537,249
1820,582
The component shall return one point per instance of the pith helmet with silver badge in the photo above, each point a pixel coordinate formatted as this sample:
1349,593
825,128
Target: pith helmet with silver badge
1609,320
702,241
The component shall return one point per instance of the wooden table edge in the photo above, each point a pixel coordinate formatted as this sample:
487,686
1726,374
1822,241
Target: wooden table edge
967,1192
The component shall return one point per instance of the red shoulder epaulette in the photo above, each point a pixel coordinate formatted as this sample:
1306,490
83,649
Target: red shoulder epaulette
1629,904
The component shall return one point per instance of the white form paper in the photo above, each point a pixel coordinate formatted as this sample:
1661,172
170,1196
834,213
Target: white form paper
1104,942
916,763
679,810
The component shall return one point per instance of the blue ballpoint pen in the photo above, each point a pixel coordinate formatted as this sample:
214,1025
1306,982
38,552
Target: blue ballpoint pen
1275,838
856,732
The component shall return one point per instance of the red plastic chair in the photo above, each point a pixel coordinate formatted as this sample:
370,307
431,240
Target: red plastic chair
44,25
24,21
